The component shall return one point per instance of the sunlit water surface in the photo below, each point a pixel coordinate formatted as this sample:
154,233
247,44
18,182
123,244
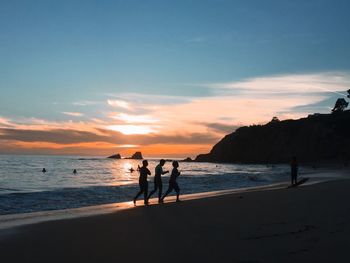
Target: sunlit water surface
24,188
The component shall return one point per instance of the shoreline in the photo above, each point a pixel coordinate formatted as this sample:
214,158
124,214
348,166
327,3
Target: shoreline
21,219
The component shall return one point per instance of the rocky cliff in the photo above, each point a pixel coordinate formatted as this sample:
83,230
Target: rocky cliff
319,137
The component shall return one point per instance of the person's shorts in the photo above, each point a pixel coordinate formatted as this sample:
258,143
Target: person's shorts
143,186
174,186
158,183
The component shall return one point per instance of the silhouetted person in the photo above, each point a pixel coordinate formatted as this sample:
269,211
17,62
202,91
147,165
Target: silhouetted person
158,180
294,170
172,182
143,183
43,170
131,170
75,171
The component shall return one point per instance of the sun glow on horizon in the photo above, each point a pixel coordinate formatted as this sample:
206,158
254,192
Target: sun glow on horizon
127,146
131,129
127,118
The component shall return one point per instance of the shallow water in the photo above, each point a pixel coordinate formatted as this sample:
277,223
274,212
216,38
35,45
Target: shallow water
24,188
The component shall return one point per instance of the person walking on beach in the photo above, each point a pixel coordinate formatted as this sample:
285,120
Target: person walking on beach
158,180
172,182
143,183
294,170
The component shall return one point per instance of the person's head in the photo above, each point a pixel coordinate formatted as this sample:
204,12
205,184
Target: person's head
145,163
175,164
162,162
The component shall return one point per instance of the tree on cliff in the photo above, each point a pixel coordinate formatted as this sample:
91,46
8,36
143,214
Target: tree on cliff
274,120
340,105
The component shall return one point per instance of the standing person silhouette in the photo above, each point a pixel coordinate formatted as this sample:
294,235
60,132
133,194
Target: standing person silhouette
294,170
172,182
143,183
158,180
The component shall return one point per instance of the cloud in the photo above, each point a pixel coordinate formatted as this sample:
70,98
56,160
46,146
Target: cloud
75,114
131,129
59,136
142,100
221,127
287,85
119,104
4,122
86,103
149,120
67,136
128,118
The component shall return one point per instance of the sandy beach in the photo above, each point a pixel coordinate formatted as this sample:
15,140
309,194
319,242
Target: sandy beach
304,224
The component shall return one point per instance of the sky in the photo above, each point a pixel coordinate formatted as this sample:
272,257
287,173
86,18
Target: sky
169,78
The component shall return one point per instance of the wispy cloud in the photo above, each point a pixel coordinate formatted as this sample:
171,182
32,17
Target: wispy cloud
289,84
75,114
221,127
119,104
86,103
129,118
131,129
5,122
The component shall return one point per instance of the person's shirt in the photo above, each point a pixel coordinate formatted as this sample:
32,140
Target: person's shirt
144,172
174,174
158,171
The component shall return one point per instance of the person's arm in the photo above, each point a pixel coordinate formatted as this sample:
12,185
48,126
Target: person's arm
165,172
148,172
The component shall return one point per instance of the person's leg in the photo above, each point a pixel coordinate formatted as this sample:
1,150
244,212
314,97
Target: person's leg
138,194
154,190
177,189
167,192
145,193
160,184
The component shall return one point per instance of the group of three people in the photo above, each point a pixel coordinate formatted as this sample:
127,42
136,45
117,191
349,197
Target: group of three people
158,185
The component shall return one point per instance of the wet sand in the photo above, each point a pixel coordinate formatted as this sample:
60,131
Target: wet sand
304,224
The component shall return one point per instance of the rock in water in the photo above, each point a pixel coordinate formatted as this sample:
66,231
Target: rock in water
115,156
136,156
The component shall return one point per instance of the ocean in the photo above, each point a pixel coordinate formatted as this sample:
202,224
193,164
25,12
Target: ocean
24,188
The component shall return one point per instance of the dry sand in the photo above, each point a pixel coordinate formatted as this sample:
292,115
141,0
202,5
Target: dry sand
305,224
